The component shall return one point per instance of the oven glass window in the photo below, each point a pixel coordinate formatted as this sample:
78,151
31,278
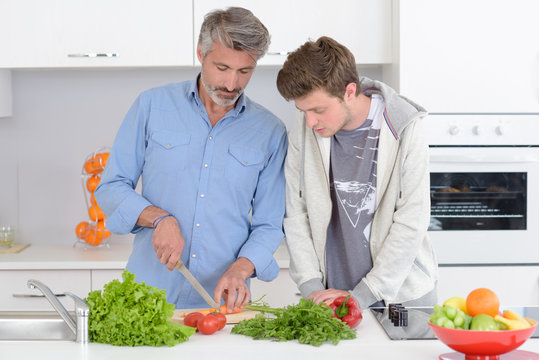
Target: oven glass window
478,201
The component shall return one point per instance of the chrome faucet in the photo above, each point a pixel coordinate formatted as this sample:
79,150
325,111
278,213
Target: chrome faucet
78,327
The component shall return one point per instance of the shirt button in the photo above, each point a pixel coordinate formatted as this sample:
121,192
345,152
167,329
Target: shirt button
197,225
211,137
205,165
201,195
194,255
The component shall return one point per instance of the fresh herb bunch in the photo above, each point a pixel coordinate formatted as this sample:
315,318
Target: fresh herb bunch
130,314
306,322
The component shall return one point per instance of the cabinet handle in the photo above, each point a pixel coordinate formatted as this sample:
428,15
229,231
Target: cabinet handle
92,55
282,53
33,295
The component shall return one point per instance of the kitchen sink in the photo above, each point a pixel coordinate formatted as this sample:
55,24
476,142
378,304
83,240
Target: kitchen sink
33,326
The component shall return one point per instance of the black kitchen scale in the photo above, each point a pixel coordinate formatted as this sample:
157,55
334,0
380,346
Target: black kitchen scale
411,323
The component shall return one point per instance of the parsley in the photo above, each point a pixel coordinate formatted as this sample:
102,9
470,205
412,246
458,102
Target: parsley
129,313
307,322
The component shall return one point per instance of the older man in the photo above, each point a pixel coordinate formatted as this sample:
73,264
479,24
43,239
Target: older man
211,162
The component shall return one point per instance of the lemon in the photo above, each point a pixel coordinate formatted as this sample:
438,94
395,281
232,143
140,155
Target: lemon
457,302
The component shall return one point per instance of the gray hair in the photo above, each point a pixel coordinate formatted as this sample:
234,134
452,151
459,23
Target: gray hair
236,28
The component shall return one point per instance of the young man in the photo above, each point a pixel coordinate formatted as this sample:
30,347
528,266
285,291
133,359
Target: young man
357,195
211,162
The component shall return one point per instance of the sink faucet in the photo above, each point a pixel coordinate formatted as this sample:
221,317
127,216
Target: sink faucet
78,327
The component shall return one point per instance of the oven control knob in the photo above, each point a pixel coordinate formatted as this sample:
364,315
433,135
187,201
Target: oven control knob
499,130
454,130
476,130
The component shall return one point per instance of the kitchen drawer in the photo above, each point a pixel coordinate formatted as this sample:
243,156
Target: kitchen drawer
59,281
278,293
102,277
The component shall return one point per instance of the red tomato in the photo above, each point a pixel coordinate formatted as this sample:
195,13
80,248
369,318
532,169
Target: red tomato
192,319
208,324
221,318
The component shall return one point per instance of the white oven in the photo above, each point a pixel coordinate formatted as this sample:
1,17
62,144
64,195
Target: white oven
484,188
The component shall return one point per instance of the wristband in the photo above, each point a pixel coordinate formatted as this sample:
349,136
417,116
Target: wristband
159,219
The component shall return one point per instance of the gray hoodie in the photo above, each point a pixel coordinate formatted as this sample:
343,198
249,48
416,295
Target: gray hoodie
404,263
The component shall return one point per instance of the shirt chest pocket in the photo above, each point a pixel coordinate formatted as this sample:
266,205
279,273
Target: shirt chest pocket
244,164
169,150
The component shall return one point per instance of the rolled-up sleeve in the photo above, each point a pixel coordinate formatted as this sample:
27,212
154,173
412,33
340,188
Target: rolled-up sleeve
116,194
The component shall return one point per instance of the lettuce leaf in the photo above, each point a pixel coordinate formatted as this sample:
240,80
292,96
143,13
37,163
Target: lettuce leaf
133,314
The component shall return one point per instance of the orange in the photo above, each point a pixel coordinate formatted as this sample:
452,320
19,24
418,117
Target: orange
92,182
101,230
92,165
96,213
482,301
96,163
93,238
82,230
103,158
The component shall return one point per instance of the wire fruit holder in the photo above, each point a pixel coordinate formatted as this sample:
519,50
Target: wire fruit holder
93,232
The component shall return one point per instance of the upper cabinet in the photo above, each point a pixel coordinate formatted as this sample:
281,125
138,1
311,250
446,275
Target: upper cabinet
80,33
469,56
364,26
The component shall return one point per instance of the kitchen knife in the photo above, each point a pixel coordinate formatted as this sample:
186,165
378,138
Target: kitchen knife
193,281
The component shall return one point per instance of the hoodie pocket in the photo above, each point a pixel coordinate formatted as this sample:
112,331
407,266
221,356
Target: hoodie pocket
168,150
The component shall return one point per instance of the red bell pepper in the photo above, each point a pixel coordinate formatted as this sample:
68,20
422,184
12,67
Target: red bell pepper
347,310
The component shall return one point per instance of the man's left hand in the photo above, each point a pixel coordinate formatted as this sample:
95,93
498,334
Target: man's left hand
327,295
232,286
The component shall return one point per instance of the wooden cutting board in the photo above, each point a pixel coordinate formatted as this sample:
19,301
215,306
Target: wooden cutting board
179,314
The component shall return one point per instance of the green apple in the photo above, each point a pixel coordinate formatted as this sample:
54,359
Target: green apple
484,322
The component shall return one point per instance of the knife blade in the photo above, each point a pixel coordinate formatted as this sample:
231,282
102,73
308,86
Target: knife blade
180,266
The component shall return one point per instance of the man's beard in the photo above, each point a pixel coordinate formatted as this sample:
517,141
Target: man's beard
219,99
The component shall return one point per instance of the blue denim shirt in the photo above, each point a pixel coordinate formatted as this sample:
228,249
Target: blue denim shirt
224,185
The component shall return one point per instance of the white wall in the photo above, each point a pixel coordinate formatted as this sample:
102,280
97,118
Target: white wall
59,117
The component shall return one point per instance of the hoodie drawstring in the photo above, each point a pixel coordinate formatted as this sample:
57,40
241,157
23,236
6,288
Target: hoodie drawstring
302,171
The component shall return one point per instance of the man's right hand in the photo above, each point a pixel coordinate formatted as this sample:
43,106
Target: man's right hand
167,238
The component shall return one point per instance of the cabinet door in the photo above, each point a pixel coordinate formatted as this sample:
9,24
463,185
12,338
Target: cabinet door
364,26
68,33
102,277
470,56
16,296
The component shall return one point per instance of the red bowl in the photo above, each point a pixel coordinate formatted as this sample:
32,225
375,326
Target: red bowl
479,344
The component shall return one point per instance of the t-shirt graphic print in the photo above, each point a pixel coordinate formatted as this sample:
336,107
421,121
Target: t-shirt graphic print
353,194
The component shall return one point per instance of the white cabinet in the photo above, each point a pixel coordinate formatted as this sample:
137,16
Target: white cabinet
6,95
280,292
68,33
469,56
16,295
514,285
102,277
364,26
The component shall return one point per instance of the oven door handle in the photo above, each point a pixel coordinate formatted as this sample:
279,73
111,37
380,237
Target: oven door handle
498,159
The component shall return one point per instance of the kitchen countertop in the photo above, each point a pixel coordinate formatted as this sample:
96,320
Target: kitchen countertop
371,343
69,257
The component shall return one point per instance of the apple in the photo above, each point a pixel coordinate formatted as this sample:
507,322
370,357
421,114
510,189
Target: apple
484,322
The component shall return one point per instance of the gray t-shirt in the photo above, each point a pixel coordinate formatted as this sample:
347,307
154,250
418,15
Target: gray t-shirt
353,195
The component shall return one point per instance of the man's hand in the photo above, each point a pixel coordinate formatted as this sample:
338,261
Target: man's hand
327,295
232,286
167,237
